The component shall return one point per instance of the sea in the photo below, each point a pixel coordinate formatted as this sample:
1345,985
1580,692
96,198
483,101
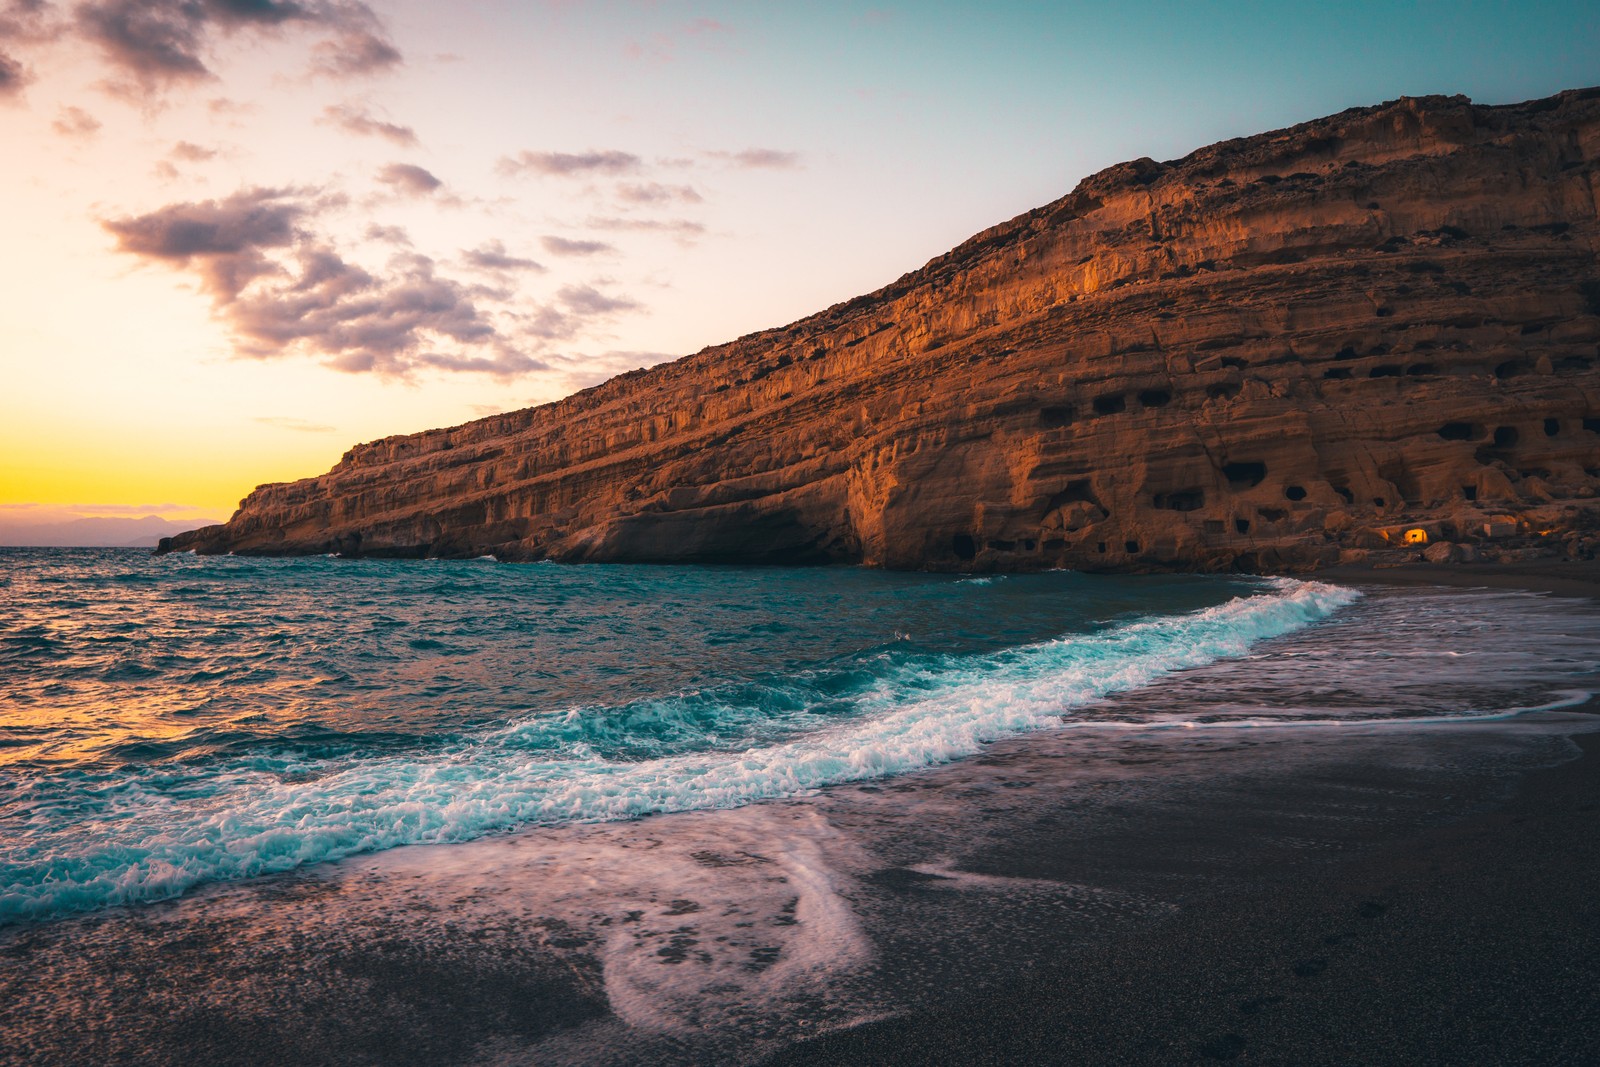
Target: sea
170,722
322,810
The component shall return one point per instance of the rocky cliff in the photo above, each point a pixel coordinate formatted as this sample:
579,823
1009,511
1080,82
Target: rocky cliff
1271,352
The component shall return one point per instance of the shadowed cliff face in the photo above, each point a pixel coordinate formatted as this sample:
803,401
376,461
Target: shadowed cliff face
1260,355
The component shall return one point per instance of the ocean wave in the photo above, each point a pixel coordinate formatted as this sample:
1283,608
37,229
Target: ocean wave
154,834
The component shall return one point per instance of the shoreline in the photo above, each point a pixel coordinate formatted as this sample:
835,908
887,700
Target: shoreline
1558,577
1249,922
1066,896
1467,942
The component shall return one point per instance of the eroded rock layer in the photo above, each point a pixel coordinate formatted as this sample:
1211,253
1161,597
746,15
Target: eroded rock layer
1271,351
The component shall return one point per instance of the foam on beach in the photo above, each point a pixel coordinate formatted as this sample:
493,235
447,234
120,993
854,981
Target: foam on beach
141,837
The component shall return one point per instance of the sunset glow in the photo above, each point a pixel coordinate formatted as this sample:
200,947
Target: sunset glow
583,532
468,208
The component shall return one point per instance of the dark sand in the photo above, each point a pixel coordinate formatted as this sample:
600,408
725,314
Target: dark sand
1560,577
1472,942
1475,942
1407,896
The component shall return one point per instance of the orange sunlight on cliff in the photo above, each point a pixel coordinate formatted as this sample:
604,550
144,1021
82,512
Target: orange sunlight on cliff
227,262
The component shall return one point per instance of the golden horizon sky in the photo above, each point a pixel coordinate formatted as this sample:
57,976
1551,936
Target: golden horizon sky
242,238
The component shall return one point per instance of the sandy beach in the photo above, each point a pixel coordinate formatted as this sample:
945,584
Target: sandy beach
1388,893
1468,941
1471,942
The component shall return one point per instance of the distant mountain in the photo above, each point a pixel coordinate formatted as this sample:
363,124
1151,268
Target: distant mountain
1278,351
144,532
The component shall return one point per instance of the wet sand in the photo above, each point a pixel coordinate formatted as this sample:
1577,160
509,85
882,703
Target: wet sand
1559,577
1474,942
1413,893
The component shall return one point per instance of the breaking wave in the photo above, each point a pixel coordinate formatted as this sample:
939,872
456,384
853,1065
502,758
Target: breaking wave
92,836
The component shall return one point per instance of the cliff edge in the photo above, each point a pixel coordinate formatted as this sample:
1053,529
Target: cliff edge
1278,351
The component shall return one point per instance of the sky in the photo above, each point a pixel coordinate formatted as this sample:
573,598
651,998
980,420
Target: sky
241,236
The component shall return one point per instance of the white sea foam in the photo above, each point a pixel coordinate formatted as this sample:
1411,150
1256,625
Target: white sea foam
1568,698
249,821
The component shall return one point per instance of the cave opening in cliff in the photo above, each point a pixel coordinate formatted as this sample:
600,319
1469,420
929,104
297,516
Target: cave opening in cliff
1294,492
1155,398
1459,431
1403,481
1505,436
1110,404
964,546
1074,491
1056,416
1244,475
1552,427
1181,500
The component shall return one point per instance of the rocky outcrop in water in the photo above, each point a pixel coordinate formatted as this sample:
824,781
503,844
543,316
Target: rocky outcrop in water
1272,352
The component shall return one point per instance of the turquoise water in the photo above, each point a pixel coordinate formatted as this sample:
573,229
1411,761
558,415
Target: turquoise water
172,721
